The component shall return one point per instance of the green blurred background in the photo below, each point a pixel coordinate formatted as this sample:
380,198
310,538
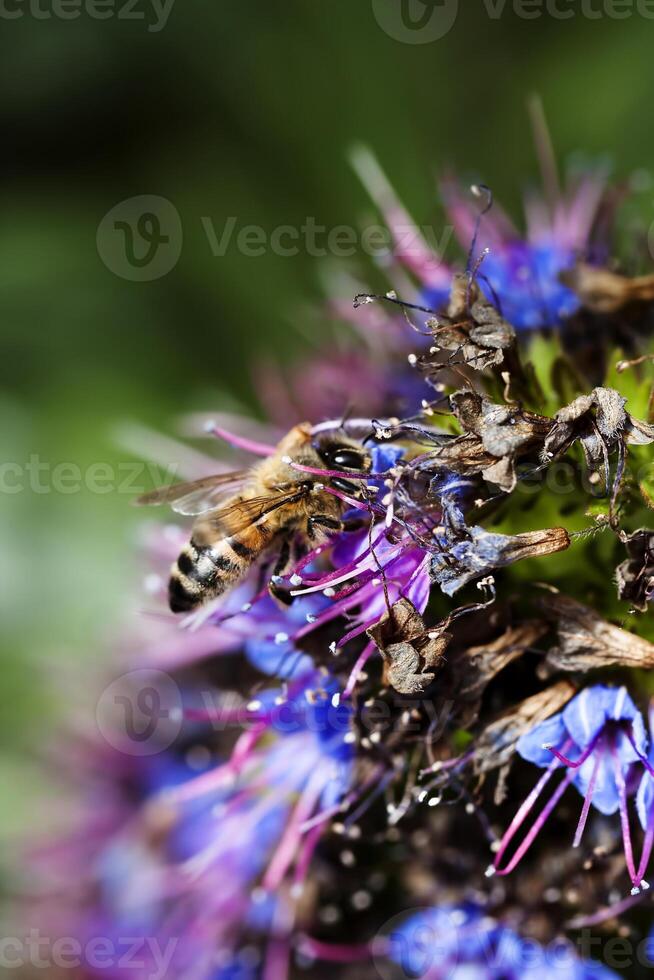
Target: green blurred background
241,108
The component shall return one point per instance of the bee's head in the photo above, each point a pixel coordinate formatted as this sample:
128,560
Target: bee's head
338,452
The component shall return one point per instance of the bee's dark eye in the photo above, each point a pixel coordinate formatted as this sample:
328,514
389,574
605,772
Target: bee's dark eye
346,459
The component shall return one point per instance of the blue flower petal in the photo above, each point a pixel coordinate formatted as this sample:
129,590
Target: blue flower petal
524,277
385,456
605,793
589,712
549,732
645,799
277,659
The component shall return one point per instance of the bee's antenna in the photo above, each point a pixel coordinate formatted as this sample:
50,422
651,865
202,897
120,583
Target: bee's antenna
347,414
362,299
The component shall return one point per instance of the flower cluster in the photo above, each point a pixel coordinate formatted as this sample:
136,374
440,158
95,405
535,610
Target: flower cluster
363,707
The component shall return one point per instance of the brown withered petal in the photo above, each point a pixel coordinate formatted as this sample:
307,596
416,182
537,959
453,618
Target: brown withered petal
474,552
467,456
478,665
602,291
406,647
639,433
473,329
587,641
635,575
577,421
504,433
402,669
600,422
495,746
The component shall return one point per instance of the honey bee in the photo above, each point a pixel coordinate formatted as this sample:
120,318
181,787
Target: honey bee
271,504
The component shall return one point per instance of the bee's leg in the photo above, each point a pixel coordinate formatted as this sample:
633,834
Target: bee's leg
354,524
283,559
332,524
319,521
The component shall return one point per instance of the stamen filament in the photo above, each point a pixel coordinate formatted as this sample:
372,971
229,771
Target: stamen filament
361,661
588,751
588,799
250,445
624,817
535,830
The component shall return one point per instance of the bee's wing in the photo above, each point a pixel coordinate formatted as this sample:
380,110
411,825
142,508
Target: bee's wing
242,514
197,496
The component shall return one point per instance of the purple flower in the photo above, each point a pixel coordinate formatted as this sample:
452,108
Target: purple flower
600,740
520,272
193,856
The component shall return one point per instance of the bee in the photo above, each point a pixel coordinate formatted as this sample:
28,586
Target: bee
241,516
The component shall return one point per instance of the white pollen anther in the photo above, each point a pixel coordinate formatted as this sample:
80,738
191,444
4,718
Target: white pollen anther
490,871
287,459
281,637
296,579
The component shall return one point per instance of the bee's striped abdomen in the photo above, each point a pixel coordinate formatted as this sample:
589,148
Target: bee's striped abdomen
205,571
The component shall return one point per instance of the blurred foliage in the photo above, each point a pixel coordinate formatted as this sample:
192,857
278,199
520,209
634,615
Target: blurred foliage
243,108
